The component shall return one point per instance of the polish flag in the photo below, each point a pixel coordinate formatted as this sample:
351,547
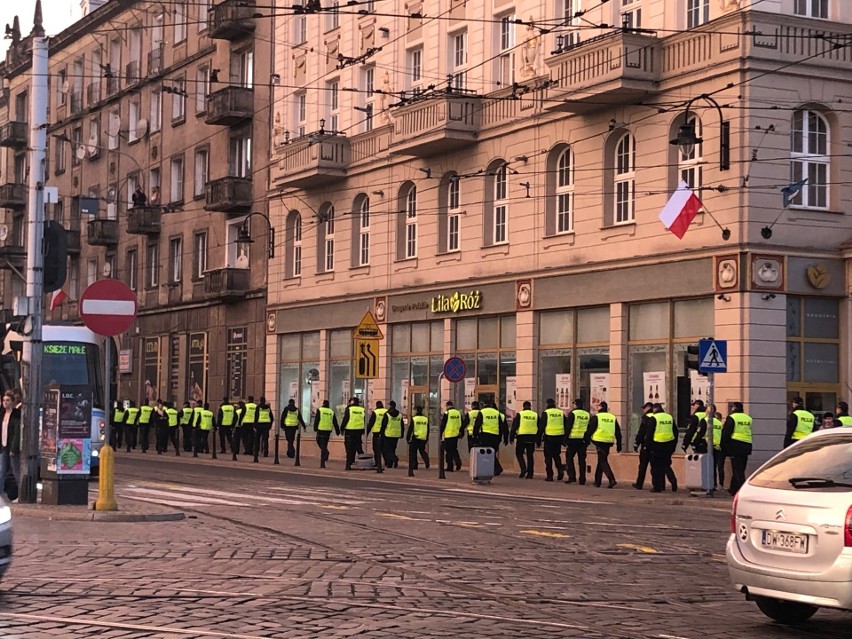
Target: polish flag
680,210
57,298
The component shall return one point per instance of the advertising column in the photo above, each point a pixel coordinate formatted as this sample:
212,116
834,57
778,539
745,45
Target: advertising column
66,445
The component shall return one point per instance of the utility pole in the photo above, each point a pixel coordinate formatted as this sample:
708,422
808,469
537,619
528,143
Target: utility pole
33,348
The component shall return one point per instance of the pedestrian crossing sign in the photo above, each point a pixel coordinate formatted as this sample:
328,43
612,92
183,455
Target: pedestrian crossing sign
713,356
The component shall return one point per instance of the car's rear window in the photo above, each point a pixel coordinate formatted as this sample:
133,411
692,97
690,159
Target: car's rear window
816,464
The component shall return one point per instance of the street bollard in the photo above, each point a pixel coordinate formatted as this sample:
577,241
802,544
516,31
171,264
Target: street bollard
215,444
235,438
442,474
106,481
256,445
277,435
298,447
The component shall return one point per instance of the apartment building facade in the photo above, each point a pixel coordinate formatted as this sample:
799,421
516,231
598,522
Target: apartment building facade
486,178
169,100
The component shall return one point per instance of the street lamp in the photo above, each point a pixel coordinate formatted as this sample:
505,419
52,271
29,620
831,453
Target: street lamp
244,234
687,139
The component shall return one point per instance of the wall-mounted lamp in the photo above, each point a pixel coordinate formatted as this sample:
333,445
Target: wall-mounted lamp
521,158
384,31
767,296
380,193
724,297
244,235
275,78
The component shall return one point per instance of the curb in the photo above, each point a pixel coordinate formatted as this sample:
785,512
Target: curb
56,514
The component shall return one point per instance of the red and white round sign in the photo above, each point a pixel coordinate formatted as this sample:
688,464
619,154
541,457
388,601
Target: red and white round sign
108,307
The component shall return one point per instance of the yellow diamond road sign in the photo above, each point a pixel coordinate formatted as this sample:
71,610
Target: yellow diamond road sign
368,328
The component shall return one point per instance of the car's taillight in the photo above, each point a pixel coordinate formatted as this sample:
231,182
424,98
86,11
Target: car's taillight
847,531
734,514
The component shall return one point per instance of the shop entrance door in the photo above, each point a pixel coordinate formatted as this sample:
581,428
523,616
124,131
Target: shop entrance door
486,394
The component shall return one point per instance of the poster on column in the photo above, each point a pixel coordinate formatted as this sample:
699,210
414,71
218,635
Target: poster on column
293,392
563,391
371,388
345,392
698,386
655,387
402,404
511,397
315,396
598,382
469,392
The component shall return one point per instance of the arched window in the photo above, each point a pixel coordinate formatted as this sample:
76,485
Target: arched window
624,181
361,230
809,158
407,222
325,239
293,248
690,161
559,203
449,213
496,219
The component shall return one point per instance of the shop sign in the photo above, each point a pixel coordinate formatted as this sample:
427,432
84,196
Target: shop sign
125,360
457,302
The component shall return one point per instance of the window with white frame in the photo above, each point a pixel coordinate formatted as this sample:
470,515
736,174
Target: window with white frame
154,186
132,268
505,71
411,223
364,232
625,180
500,211
175,260
333,101
415,70
812,8
301,26
199,262
809,158
237,255
239,156
202,163
59,155
203,14
179,13
74,278
132,184
301,114
697,13
368,85
176,184
565,191
77,148
242,68
571,14
94,145
152,265
328,239
631,14
178,99
297,245
458,61
112,202
134,116
690,168
114,123
156,115
91,271
454,214
62,87
202,87
332,18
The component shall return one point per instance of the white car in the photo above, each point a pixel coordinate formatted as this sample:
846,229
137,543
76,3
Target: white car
5,538
790,549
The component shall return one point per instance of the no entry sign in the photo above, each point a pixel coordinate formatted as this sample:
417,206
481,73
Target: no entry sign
108,307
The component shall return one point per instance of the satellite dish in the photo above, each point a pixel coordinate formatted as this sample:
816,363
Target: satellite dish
107,271
80,152
65,87
92,149
141,128
114,124
4,232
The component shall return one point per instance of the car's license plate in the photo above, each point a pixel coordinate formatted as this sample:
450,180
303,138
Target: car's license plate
788,542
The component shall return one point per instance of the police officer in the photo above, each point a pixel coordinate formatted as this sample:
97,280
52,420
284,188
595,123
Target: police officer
374,427
662,442
131,430
205,425
841,415
736,442
226,417
248,423
800,423
144,424
575,427
187,413
718,453
393,426
116,435
603,432
524,433
451,428
489,430
696,435
640,445
553,420
352,427
417,435
324,421
468,422
237,439
265,418
291,418
174,431
161,427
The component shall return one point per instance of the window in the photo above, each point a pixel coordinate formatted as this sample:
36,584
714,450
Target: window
361,237
631,14
407,224
564,222
132,184
109,265
571,18
301,114
368,86
77,145
814,354
294,228
112,202
202,88
178,91
239,157
152,265
176,192
501,205
114,123
325,239
59,153
453,213
132,265
156,116
690,168
154,186
73,278
242,68
91,271
133,120
697,13
809,158
61,87
415,70
812,8
301,25
202,162
458,62
625,180
94,147
203,14
333,97
175,260
332,20
180,21
199,262
506,51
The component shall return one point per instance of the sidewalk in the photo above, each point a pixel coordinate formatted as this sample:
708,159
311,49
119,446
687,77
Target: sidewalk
129,511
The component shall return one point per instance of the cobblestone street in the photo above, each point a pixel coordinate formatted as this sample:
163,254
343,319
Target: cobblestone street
281,552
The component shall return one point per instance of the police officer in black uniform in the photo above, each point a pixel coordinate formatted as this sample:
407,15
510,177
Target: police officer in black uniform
662,441
640,445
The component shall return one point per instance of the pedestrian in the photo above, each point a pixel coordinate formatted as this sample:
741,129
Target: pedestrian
828,421
417,436
554,434
161,427
263,426
139,198
352,427
206,424
225,418
695,435
116,433
736,442
662,441
575,427
144,423
131,429
468,422
841,414
174,430
374,428
248,424
324,421
603,432
10,441
718,454
639,445
489,430
291,418
186,415
393,426
451,428
524,433
237,437
800,422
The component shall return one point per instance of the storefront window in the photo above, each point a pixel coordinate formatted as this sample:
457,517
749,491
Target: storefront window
340,375
487,345
813,348
299,377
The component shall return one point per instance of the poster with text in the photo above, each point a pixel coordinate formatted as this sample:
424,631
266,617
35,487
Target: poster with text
563,391
315,395
402,404
654,384
371,393
698,386
511,397
599,383
75,412
345,391
74,456
469,391
293,392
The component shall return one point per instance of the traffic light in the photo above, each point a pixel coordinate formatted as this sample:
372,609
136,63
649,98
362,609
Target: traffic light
55,256
691,359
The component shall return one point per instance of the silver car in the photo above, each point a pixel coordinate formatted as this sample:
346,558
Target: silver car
5,538
790,549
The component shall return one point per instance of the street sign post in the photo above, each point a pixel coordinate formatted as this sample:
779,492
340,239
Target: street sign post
367,336
108,308
712,358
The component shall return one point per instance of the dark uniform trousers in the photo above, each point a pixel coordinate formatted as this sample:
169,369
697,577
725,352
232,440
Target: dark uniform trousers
553,455
576,448
352,443
174,436
661,465
202,441
144,436
236,438
417,447
603,467
525,451
451,451
162,434
226,434
389,451
376,443
719,463
248,438
130,436
322,441
261,439
492,441
290,435
644,460
187,437
116,435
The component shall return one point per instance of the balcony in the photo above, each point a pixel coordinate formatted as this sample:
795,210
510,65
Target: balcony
93,93
313,160
144,220
155,60
227,284
230,106
12,255
228,194
231,19
435,125
132,73
14,135
102,232
72,237
613,69
13,196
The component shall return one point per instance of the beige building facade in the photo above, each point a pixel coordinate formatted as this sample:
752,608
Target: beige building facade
486,179
172,99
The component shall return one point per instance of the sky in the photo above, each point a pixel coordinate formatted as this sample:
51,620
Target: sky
58,14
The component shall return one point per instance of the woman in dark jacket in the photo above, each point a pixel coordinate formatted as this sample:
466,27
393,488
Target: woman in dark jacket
10,440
